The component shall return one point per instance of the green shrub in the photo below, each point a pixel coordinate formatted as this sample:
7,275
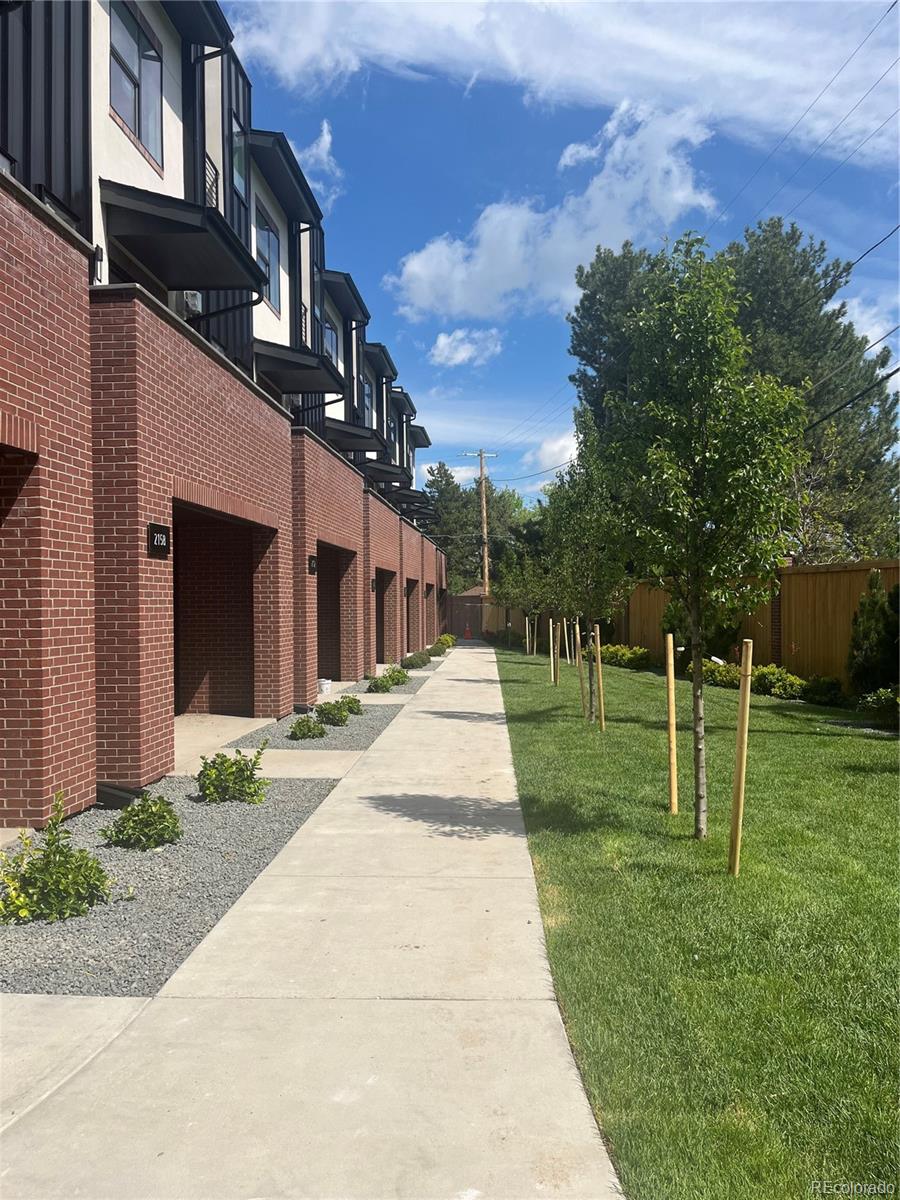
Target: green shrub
882,706
872,661
437,650
146,823
726,675
332,712
721,636
397,676
352,705
823,690
224,779
416,661
776,681
306,727
448,639
636,658
52,881
381,683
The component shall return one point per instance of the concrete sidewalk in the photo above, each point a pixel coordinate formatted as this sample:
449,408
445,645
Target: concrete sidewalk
373,1018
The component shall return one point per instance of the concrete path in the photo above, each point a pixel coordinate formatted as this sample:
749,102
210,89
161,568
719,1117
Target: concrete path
373,1018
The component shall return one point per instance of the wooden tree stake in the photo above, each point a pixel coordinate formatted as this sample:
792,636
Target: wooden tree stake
601,707
580,662
566,640
527,631
556,651
550,647
670,702
740,765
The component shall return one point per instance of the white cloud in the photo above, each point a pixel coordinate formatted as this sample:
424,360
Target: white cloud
551,452
521,255
752,68
460,474
465,347
872,318
321,168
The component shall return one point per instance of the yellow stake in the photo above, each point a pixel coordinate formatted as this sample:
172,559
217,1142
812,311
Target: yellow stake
556,651
740,765
550,645
670,699
580,661
601,707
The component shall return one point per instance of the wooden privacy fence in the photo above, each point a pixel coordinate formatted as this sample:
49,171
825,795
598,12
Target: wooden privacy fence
805,626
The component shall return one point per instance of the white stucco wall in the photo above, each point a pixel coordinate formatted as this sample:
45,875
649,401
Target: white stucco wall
267,324
114,154
215,146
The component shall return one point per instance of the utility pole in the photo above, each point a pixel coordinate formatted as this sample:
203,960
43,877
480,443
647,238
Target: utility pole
481,455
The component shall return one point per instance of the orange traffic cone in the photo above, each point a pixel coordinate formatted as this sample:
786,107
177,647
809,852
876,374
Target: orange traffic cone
468,632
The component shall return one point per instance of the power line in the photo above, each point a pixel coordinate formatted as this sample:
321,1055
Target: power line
807,110
850,361
535,474
833,170
526,420
832,131
853,399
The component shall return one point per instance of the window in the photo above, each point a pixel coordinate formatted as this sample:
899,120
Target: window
392,429
135,78
268,255
238,157
331,343
367,401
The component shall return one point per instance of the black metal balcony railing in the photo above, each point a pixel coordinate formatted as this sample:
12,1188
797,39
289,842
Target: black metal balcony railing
303,318
212,184
310,413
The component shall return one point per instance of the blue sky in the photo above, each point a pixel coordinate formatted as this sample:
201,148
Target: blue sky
471,154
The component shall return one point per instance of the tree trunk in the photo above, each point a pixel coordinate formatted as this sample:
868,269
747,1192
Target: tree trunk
592,682
699,728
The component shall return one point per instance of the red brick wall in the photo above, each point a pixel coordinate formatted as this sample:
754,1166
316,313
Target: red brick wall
411,552
46,535
383,546
328,505
172,423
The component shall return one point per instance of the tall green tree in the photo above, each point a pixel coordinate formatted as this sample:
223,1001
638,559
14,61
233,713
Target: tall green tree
456,524
700,453
799,333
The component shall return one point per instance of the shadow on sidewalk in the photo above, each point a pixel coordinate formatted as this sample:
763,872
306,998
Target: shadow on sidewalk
454,816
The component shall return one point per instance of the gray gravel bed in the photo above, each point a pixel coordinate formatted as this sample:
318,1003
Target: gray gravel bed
404,689
358,734
131,947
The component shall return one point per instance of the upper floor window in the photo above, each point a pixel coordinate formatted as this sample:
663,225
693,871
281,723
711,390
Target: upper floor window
135,78
392,429
331,342
239,174
367,400
268,255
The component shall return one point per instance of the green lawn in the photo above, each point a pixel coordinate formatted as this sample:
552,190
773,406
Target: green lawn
737,1038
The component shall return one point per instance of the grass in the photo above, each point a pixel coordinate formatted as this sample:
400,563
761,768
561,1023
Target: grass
737,1037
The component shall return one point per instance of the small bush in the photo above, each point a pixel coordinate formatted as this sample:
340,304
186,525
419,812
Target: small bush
146,823
306,727
776,681
882,706
224,780
437,650
726,675
872,661
448,640
416,661
332,712
823,690
50,882
352,705
397,676
636,658
381,683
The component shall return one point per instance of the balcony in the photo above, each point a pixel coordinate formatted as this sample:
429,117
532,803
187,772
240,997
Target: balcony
211,192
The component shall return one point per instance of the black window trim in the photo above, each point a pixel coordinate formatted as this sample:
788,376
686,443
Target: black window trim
271,226
138,18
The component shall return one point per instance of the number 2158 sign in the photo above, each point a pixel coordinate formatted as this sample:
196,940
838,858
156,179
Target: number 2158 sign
159,541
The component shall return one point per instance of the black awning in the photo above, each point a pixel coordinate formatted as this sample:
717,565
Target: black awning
343,291
380,360
297,371
410,495
272,152
418,437
186,246
403,402
345,436
383,472
201,22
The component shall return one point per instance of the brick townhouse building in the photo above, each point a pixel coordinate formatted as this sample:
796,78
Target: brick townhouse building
207,471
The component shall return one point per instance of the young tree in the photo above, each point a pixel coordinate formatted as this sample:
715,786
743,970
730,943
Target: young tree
521,578
586,556
700,455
